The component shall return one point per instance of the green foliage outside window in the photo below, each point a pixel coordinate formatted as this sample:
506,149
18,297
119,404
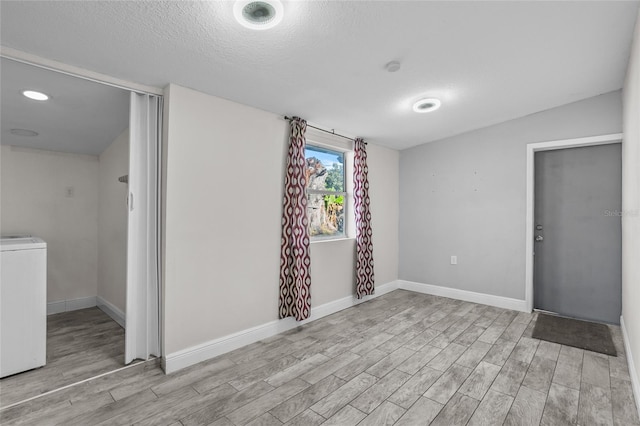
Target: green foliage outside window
325,173
335,178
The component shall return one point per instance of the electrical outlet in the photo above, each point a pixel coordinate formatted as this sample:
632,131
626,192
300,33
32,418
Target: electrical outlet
69,192
454,260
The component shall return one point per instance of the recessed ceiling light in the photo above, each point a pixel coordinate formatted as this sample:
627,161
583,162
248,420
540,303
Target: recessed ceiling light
258,15
426,105
24,132
36,96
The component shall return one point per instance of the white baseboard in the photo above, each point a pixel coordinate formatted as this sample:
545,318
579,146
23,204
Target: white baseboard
468,296
633,373
112,310
87,302
70,305
195,354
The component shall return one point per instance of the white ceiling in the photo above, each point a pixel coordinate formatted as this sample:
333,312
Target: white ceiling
488,61
80,117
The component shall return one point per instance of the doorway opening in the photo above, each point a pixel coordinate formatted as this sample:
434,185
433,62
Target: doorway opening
82,181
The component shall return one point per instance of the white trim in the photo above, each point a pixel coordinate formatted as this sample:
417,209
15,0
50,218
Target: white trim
323,139
56,307
468,296
329,240
633,373
38,61
70,305
532,148
112,310
195,354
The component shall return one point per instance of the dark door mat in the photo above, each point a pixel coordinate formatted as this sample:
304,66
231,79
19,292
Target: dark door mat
571,332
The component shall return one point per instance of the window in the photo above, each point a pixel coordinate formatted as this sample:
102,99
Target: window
325,192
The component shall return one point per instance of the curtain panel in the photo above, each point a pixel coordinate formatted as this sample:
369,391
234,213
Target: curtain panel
364,239
295,262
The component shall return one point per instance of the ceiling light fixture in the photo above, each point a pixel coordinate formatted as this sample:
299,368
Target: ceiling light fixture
426,105
258,15
24,132
36,96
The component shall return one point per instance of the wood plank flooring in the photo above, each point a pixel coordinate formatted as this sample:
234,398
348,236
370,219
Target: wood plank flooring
80,344
402,358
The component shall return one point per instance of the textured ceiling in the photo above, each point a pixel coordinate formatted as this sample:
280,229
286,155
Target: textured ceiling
81,117
488,61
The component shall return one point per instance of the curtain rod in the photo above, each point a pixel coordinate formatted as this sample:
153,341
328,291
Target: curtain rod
331,132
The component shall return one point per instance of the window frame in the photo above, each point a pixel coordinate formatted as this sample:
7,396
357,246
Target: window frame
310,143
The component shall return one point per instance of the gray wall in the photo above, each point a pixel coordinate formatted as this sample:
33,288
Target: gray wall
465,196
35,201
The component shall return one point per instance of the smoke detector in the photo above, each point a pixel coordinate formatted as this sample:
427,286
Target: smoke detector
392,66
426,105
258,15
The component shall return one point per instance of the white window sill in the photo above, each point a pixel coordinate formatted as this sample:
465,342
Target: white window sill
331,240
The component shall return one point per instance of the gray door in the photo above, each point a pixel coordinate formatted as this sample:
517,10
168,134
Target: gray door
577,258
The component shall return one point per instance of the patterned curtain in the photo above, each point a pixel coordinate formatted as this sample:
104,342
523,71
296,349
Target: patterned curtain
295,276
364,240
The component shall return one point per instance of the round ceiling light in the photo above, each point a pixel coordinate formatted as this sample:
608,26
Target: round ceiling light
36,96
258,15
24,132
426,105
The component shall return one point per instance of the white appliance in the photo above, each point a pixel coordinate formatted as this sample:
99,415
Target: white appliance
23,304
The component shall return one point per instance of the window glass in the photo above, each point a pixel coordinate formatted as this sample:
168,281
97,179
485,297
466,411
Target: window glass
325,191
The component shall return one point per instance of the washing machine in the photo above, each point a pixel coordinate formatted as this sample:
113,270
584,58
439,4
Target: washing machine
23,304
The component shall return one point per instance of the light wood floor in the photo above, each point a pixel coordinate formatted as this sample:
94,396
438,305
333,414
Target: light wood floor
403,358
80,344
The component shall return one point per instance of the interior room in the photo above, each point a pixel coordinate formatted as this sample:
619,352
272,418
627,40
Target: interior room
368,212
61,161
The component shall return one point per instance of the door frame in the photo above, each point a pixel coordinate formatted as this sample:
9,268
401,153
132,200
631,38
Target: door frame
84,74
532,148
74,71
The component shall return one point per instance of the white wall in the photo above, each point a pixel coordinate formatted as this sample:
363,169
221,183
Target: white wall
112,222
383,182
465,196
34,201
384,175
224,179
631,206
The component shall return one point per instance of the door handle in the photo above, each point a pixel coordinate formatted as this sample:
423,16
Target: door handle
539,238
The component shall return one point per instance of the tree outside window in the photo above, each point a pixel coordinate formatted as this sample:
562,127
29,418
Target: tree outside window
325,192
